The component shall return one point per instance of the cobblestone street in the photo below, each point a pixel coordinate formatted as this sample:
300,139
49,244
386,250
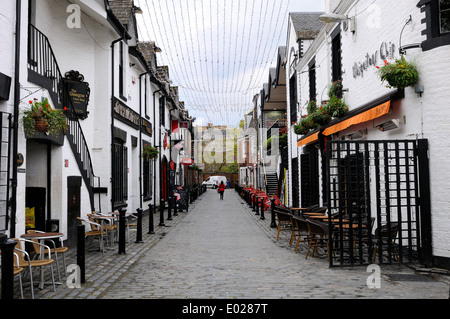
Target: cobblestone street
222,250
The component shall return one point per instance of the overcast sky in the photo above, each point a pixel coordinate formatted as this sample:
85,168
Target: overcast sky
218,51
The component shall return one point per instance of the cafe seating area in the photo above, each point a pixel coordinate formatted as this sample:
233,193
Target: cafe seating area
339,237
40,257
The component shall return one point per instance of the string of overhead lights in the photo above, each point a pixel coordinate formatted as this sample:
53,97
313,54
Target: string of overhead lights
219,79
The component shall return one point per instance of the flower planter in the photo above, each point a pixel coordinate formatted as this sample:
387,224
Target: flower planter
41,125
400,74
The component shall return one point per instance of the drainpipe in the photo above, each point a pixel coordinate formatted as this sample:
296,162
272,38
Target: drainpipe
13,200
154,145
140,134
112,115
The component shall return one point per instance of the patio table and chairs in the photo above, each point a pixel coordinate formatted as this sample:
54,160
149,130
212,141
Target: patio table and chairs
45,260
56,250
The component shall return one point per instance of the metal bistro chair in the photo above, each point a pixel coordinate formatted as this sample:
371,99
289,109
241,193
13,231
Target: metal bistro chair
30,264
55,250
18,273
96,230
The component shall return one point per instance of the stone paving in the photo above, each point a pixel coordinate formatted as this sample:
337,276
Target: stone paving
222,250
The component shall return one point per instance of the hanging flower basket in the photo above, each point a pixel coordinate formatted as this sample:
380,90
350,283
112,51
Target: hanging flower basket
335,89
149,152
336,107
41,117
400,74
41,124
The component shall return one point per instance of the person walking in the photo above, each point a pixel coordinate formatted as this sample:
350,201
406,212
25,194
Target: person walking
221,189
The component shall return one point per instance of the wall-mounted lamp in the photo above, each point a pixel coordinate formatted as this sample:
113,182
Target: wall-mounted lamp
389,125
419,89
157,49
356,135
138,10
333,18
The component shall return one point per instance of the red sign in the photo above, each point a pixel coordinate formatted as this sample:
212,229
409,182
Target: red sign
187,161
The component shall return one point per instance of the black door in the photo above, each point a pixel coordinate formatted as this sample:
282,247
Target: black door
35,202
73,208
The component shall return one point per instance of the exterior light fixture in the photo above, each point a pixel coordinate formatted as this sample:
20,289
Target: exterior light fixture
332,17
158,49
389,125
138,10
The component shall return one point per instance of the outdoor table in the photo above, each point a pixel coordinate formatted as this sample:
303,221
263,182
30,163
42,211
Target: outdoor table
42,237
314,214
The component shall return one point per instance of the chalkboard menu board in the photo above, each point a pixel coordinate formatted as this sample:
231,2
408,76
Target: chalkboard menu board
181,195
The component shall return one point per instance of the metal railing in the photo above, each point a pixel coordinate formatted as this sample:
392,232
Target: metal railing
42,61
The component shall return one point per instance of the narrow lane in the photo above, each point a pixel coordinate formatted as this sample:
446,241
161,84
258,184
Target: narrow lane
222,250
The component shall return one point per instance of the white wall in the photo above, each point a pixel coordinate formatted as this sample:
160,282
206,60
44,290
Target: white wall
420,117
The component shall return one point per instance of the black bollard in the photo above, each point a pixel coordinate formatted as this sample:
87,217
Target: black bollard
122,225
139,226
256,205
169,209
175,208
161,212
81,252
260,201
273,224
7,248
150,219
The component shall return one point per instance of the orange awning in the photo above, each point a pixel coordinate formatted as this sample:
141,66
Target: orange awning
308,139
366,116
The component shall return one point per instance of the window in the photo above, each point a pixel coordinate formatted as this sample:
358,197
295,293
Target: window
312,81
147,175
121,72
293,97
336,58
120,174
444,16
437,23
162,111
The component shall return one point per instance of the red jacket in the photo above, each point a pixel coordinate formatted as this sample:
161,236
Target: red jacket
221,187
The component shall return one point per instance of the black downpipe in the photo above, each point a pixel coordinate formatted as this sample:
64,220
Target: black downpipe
154,145
112,116
140,134
13,200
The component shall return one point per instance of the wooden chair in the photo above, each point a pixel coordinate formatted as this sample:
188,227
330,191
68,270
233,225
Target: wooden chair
55,250
318,232
301,226
30,264
385,237
284,222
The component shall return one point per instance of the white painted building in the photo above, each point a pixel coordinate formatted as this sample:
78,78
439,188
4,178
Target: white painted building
97,165
350,49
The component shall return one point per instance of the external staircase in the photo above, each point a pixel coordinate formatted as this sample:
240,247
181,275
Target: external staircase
44,71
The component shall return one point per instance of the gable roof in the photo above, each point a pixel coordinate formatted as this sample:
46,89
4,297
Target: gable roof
122,10
306,24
